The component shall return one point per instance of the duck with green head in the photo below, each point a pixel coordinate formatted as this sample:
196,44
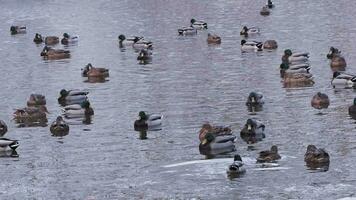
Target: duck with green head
286,68
198,24
3,128
294,58
185,31
67,39
269,4
217,144
255,99
249,31
148,121
78,110
17,30
236,168
69,97
269,155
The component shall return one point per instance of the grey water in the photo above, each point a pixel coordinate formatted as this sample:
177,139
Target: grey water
190,83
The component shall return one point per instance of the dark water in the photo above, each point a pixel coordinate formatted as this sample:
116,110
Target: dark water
188,82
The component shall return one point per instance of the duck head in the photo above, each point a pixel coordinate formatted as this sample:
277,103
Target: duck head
274,149
13,29
354,101
250,125
85,104
192,21
252,97
63,93
142,115
336,74
45,50
121,38
244,30
66,35
288,52
311,148
209,137
237,157
38,36
243,42
59,119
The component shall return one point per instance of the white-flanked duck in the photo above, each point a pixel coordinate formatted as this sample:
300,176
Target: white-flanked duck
343,80
123,40
198,24
17,30
213,144
187,31
236,168
290,57
68,97
251,45
59,127
148,121
78,110
142,44
7,143
249,31
292,69
67,39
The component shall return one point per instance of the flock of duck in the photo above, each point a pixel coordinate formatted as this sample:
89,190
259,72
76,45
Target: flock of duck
214,140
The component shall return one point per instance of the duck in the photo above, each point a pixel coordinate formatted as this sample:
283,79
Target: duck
286,68
251,45
298,79
69,39
236,168
269,155
142,44
352,109
253,131
59,127
78,110
255,99
36,100
338,62
314,155
333,52
269,4
38,38
198,24
320,101
54,54
31,114
265,11
128,41
213,39
187,31
290,57
147,121
144,55
343,80
90,71
17,30
270,44
215,130
249,31
3,128
69,97
51,40
7,143
217,144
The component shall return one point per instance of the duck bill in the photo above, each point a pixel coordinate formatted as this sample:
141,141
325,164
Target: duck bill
249,127
204,142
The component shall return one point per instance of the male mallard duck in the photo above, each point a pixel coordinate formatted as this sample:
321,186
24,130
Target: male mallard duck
270,44
253,131
286,69
269,4
51,40
255,99
290,57
4,143
59,127
316,156
265,11
3,128
53,54
69,39
213,39
236,168
146,121
298,79
352,109
144,55
128,41
198,24
38,39
187,31
269,155
90,71
251,45
72,97
36,100
17,30
78,110
215,130
142,44
338,62
333,52
320,101
343,80
217,143
31,114
249,31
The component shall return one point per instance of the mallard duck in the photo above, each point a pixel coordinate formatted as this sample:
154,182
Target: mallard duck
69,39
3,128
265,11
352,109
5,143
290,57
320,101
38,39
53,54
236,168
251,45
270,44
217,144
187,31
144,55
128,41
213,39
249,31
253,131
298,78
292,69
69,97
147,121
51,40
269,4
343,80
316,156
215,130
255,99
338,62
59,127
333,52
78,110
17,30
90,71
142,44
31,114
269,155
198,24
36,100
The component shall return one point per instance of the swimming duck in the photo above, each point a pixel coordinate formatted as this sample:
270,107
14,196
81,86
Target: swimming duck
51,40
251,45
187,31
3,128
292,69
78,110
90,71
290,57
36,100
269,4
253,131
343,80
269,155
38,39
316,156
338,62
69,97
142,44
249,31
215,130
213,39
352,109
236,168
265,11
270,44
255,99
59,127
298,79
217,144
144,55
198,24
128,41
69,39
320,101
17,30
53,54
31,114
146,121
333,52
4,143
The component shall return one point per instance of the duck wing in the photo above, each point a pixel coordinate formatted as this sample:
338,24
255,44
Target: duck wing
224,138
